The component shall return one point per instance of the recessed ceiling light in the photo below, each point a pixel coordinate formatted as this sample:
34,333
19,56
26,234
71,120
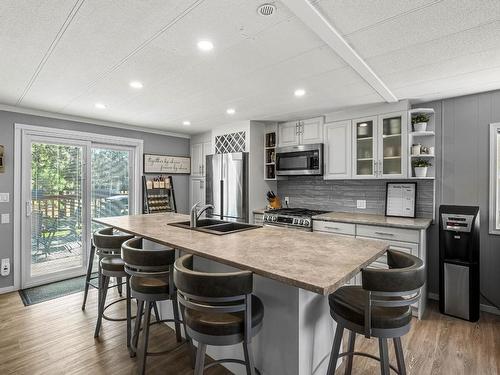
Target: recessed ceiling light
362,125
100,106
186,123
299,92
230,111
136,85
205,45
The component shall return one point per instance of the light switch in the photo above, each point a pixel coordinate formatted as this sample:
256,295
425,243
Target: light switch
361,203
5,219
4,197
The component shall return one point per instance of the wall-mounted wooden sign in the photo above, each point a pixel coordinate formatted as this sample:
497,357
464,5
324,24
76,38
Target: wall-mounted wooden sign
167,164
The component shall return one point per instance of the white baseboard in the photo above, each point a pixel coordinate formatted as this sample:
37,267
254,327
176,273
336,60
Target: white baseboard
8,289
482,307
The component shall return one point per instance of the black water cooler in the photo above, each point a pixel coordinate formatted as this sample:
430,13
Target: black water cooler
459,261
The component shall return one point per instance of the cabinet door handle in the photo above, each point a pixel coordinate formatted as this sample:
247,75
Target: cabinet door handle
385,234
375,169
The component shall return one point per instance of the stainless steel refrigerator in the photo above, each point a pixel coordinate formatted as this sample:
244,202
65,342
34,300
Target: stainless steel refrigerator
227,186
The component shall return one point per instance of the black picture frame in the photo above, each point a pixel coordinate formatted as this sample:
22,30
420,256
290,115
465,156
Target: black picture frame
414,198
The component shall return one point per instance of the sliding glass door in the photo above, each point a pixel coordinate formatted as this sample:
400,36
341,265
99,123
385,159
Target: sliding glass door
67,183
56,231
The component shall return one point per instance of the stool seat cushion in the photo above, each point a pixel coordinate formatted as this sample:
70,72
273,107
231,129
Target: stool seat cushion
223,324
149,285
113,264
348,302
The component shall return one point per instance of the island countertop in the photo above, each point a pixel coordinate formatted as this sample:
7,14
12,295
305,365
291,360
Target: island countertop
317,262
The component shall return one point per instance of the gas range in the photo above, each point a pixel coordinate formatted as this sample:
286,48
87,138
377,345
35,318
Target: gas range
295,218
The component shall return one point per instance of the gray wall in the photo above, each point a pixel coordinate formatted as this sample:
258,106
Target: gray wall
341,195
153,143
463,175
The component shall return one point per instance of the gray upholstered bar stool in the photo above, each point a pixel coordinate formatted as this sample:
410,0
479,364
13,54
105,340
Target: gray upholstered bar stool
381,308
151,281
107,243
218,309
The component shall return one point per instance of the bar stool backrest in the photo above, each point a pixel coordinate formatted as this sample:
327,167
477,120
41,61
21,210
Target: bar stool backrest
397,286
141,262
108,242
214,292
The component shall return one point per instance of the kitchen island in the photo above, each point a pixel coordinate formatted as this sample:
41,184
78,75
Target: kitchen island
295,271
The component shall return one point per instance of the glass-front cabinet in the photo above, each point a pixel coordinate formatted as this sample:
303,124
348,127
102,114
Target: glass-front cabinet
365,148
379,144
392,137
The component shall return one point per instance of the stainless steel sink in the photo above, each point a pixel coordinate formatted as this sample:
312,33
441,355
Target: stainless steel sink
218,227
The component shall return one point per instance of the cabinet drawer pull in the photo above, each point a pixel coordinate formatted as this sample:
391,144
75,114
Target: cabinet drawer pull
333,228
385,234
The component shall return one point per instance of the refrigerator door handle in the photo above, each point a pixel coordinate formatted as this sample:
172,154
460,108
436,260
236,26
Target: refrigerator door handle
221,199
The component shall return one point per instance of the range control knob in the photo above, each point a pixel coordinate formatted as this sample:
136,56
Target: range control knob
307,222
300,221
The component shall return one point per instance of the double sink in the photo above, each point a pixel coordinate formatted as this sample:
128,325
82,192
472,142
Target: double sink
213,226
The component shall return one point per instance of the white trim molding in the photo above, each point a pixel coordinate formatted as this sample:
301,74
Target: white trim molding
493,219
88,120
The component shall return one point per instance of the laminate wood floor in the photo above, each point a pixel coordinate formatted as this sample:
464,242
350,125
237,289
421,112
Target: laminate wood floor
56,337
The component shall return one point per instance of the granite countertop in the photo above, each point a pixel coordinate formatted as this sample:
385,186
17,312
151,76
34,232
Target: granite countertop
317,262
370,219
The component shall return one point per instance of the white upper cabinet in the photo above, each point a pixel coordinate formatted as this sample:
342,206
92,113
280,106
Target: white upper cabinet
197,190
392,150
199,151
364,147
379,146
196,159
288,134
303,132
337,150
311,131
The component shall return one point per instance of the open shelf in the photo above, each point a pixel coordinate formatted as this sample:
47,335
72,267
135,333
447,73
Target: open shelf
422,156
392,157
426,133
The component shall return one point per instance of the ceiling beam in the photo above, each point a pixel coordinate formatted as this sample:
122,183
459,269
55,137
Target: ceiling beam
312,18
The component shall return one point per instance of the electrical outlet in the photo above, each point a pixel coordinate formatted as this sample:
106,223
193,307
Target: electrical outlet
5,267
361,203
287,201
4,197
5,219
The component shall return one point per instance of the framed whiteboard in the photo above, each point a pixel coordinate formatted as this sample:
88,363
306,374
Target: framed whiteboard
166,164
401,199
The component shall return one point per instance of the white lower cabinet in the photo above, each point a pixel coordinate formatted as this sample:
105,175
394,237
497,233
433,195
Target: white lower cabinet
411,241
258,219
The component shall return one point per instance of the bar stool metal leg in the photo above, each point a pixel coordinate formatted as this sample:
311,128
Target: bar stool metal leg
144,349
157,313
200,359
350,358
137,328
334,356
175,308
89,275
400,358
249,361
384,356
119,286
102,302
129,312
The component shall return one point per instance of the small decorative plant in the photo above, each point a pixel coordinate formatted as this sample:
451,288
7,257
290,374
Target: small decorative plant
421,163
420,118
420,166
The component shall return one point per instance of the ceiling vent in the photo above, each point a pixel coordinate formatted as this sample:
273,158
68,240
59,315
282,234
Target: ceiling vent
266,9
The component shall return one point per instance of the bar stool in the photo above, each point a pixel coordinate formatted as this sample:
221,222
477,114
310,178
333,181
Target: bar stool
218,309
149,274
381,308
107,244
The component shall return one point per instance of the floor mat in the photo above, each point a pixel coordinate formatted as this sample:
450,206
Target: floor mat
42,293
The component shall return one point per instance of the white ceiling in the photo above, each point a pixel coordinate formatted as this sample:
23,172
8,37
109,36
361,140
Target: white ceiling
64,56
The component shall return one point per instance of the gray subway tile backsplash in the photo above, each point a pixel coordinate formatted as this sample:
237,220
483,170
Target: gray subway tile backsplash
341,195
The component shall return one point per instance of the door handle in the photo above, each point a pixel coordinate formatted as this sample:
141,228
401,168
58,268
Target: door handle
29,209
385,234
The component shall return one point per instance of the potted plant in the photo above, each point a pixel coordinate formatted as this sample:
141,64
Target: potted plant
419,122
420,166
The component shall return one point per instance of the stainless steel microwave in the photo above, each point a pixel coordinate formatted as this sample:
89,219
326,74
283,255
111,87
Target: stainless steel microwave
300,160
